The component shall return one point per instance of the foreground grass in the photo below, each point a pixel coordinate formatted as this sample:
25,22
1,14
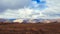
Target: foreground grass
30,28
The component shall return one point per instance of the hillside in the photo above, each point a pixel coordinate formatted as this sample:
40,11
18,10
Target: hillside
37,28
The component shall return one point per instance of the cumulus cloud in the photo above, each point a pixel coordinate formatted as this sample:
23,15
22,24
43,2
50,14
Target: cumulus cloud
29,9
21,13
53,9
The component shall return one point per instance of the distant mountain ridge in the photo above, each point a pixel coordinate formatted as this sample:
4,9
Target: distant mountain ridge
30,20
6,20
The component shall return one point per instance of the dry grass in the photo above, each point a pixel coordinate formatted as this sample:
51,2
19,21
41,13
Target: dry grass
37,28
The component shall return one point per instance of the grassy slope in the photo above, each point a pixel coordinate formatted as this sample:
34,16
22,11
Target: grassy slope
16,28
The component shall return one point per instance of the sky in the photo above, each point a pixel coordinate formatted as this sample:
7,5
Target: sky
35,9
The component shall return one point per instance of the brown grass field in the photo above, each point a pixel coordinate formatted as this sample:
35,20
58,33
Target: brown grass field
37,28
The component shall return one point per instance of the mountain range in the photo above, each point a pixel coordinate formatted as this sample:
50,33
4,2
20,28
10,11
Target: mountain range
30,20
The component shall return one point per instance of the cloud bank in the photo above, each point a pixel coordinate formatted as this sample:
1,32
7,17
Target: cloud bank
29,9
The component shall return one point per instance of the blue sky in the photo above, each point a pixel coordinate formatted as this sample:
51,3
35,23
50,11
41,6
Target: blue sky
47,9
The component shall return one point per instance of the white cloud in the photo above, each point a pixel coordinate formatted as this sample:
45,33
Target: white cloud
19,13
52,11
